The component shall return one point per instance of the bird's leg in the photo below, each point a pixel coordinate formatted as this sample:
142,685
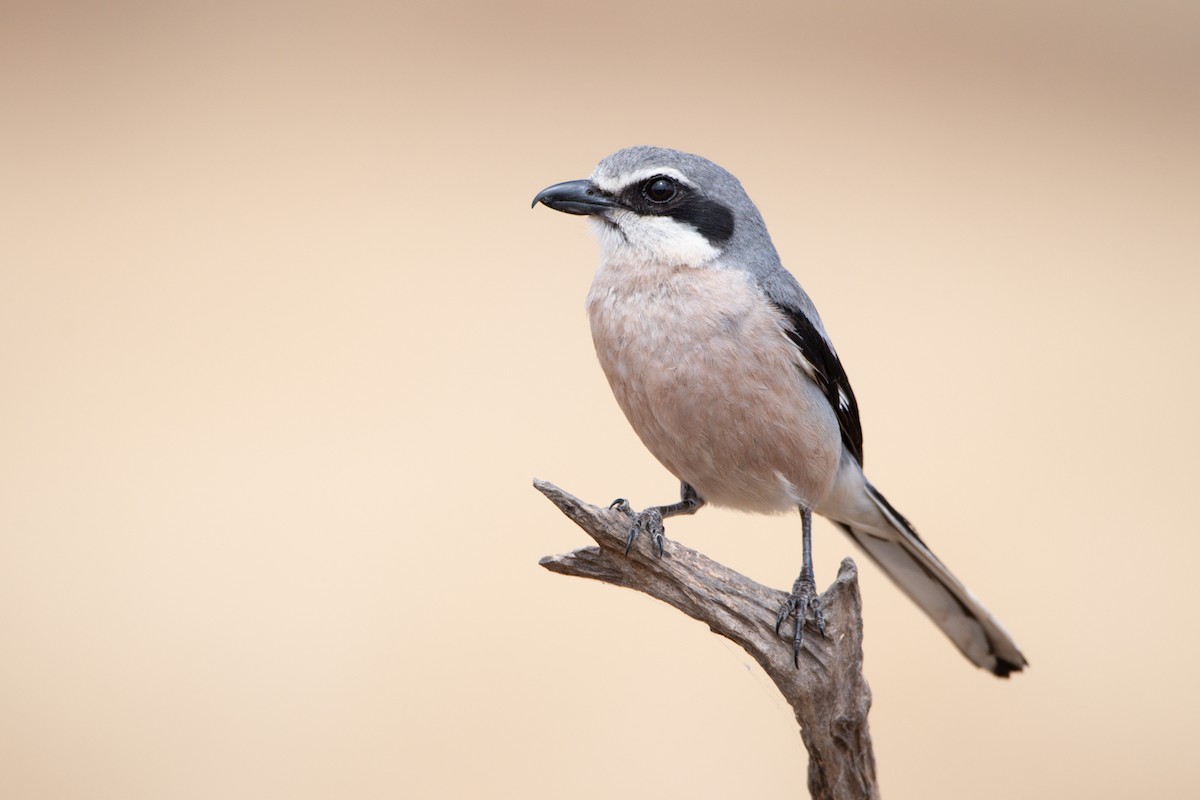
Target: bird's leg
650,521
803,602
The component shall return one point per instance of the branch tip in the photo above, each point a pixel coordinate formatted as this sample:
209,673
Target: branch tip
828,685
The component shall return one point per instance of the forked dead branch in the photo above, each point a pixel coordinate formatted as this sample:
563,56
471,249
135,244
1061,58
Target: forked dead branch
827,690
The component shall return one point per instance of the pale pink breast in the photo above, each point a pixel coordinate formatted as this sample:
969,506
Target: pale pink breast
700,365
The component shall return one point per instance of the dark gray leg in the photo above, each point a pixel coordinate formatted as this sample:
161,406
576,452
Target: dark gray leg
803,602
650,521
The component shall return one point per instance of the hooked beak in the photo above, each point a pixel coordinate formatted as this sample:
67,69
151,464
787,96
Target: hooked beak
575,197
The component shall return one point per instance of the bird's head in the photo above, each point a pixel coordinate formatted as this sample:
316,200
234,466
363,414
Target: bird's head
654,205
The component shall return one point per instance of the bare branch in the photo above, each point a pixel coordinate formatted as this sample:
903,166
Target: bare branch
827,691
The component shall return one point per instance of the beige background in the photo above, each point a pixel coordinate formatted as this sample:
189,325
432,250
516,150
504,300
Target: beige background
282,346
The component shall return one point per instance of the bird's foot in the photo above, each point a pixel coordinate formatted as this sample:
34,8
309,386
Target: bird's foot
649,522
805,605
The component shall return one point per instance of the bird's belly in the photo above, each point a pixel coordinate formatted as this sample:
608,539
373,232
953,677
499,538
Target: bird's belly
700,364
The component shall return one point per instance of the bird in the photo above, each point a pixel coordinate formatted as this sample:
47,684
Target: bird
722,366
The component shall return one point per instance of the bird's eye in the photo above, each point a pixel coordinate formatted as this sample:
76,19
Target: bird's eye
659,190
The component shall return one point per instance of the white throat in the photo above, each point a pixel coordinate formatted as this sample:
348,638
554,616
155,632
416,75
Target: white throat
662,241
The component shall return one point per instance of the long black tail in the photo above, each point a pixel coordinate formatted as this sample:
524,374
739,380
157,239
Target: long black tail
899,552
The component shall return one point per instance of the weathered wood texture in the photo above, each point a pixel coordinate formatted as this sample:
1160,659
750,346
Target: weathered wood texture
826,691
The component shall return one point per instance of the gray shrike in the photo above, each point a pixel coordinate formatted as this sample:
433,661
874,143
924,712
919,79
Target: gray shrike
721,364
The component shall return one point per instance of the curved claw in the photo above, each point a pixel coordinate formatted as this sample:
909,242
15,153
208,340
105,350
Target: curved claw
784,610
805,605
650,521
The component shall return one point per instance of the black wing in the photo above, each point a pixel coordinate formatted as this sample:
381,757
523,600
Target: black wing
830,376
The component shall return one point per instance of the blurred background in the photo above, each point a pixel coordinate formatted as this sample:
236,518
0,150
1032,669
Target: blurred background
283,346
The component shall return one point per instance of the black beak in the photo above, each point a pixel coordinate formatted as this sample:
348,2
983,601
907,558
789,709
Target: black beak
574,197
